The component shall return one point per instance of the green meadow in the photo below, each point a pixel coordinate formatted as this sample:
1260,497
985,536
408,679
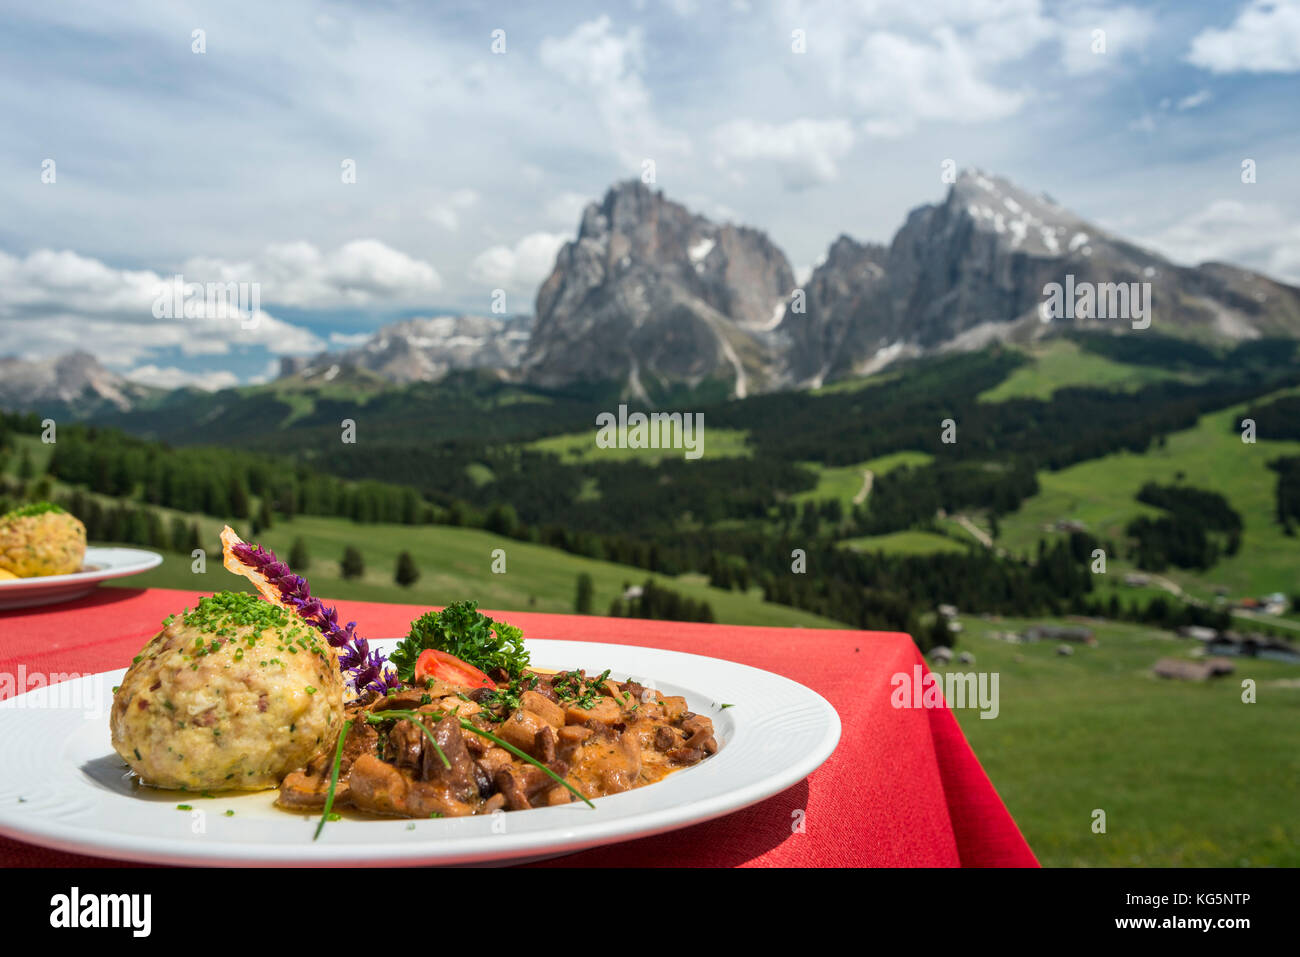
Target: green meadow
1059,363
1186,772
575,447
906,543
844,482
1102,494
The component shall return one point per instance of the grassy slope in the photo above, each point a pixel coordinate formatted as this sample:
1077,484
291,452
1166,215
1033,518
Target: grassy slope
1186,772
1059,363
905,543
581,447
845,481
37,450
456,563
856,383
1210,456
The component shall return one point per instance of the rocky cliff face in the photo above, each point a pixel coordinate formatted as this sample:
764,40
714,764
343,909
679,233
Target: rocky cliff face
972,270
651,294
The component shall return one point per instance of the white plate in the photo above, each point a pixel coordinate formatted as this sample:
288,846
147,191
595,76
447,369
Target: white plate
62,786
99,565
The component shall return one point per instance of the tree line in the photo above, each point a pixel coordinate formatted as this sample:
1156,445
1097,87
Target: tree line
1182,536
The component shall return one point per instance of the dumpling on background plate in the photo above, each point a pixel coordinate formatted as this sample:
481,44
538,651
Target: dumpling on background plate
41,539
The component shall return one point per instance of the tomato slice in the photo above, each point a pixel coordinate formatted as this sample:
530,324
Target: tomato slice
438,664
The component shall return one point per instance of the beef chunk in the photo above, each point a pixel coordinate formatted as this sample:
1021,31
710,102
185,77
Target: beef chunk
405,746
667,738
407,700
544,745
686,755
459,779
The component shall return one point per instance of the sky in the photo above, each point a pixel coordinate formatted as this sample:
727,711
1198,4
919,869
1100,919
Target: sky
362,162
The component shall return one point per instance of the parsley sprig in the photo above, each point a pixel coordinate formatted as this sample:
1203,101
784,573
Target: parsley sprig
462,630
575,687
501,702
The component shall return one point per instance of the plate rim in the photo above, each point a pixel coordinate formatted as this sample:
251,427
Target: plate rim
99,841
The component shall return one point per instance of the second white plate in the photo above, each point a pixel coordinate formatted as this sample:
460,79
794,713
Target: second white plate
100,565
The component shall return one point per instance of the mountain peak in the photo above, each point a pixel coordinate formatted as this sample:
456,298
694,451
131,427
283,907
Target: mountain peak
972,269
652,293
1024,221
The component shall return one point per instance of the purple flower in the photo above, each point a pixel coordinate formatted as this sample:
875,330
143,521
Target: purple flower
363,669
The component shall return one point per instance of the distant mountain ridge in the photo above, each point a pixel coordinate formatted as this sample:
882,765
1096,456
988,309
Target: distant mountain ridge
651,298
650,291
972,269
76,382
423,349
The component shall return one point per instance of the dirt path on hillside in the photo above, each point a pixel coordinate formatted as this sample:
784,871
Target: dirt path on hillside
868,477
1266,619
979,534
1160,581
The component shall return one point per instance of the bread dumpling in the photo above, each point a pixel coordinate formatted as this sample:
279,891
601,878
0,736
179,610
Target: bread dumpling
41,539
233,694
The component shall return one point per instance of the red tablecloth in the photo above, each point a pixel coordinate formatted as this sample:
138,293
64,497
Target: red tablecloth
902,789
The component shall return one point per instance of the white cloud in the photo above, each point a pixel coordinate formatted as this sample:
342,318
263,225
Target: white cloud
446,211
55,301
709,207
951,61
1149,121
1265,38
520,267
1256,235
806,151
901,65
1095,38
567,208
120,341
348,340
606,67
361,272
270,371
904,80
174,378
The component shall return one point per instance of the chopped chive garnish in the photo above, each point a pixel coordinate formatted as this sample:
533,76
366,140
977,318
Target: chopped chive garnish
334,778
